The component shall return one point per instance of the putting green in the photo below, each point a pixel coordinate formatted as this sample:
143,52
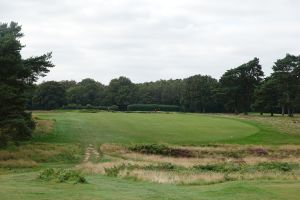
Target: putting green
107,127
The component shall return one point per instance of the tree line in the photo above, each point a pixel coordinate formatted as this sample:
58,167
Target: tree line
240,90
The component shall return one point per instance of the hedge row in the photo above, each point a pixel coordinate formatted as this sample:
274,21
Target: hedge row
152,107
77,106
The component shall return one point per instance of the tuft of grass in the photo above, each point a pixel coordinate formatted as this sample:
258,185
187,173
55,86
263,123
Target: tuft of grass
114,171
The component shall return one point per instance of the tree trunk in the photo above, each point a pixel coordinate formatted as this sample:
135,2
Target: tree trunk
282,110
290,112
236,111
272,114
261,113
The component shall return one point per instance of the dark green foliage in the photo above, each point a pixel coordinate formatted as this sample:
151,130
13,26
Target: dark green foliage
238,86
49,95
168,92
287,78
266,97
120,92
86,92
113,108
79,107
17,76
280,91
152,107
199,94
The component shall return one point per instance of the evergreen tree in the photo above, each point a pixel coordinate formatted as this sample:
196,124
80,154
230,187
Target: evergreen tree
16,75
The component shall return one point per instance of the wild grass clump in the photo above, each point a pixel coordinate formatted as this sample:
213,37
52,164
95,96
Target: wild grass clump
61,176
114,171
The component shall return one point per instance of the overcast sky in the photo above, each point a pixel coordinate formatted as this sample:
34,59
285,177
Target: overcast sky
148,40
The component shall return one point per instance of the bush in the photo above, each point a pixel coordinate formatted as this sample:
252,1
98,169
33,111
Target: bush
152,107
79,107
113,108
61,176
114,171
226,167
276,166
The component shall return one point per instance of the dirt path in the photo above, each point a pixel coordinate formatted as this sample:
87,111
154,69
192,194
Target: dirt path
91,153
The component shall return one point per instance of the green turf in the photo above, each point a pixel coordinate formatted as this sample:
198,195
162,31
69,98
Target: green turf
175,128
25,187
126,128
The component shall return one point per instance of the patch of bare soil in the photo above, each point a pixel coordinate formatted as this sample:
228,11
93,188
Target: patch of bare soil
91,154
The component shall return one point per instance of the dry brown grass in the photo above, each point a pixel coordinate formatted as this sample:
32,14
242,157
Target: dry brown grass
20,163
39,152
173,176
44,126
146,167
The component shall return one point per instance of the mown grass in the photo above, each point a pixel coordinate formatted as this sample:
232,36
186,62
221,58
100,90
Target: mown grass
25,186
211,157
181,129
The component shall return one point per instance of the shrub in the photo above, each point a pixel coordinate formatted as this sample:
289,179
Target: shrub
113,108
46,174
152,107
276,166
79,107
61,176
114,171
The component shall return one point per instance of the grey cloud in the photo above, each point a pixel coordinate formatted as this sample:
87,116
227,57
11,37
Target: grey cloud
147,40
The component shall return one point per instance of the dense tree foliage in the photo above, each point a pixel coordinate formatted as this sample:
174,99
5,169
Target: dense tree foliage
120,92
199,94
17,75
238,86
49,95
86,92
241,89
